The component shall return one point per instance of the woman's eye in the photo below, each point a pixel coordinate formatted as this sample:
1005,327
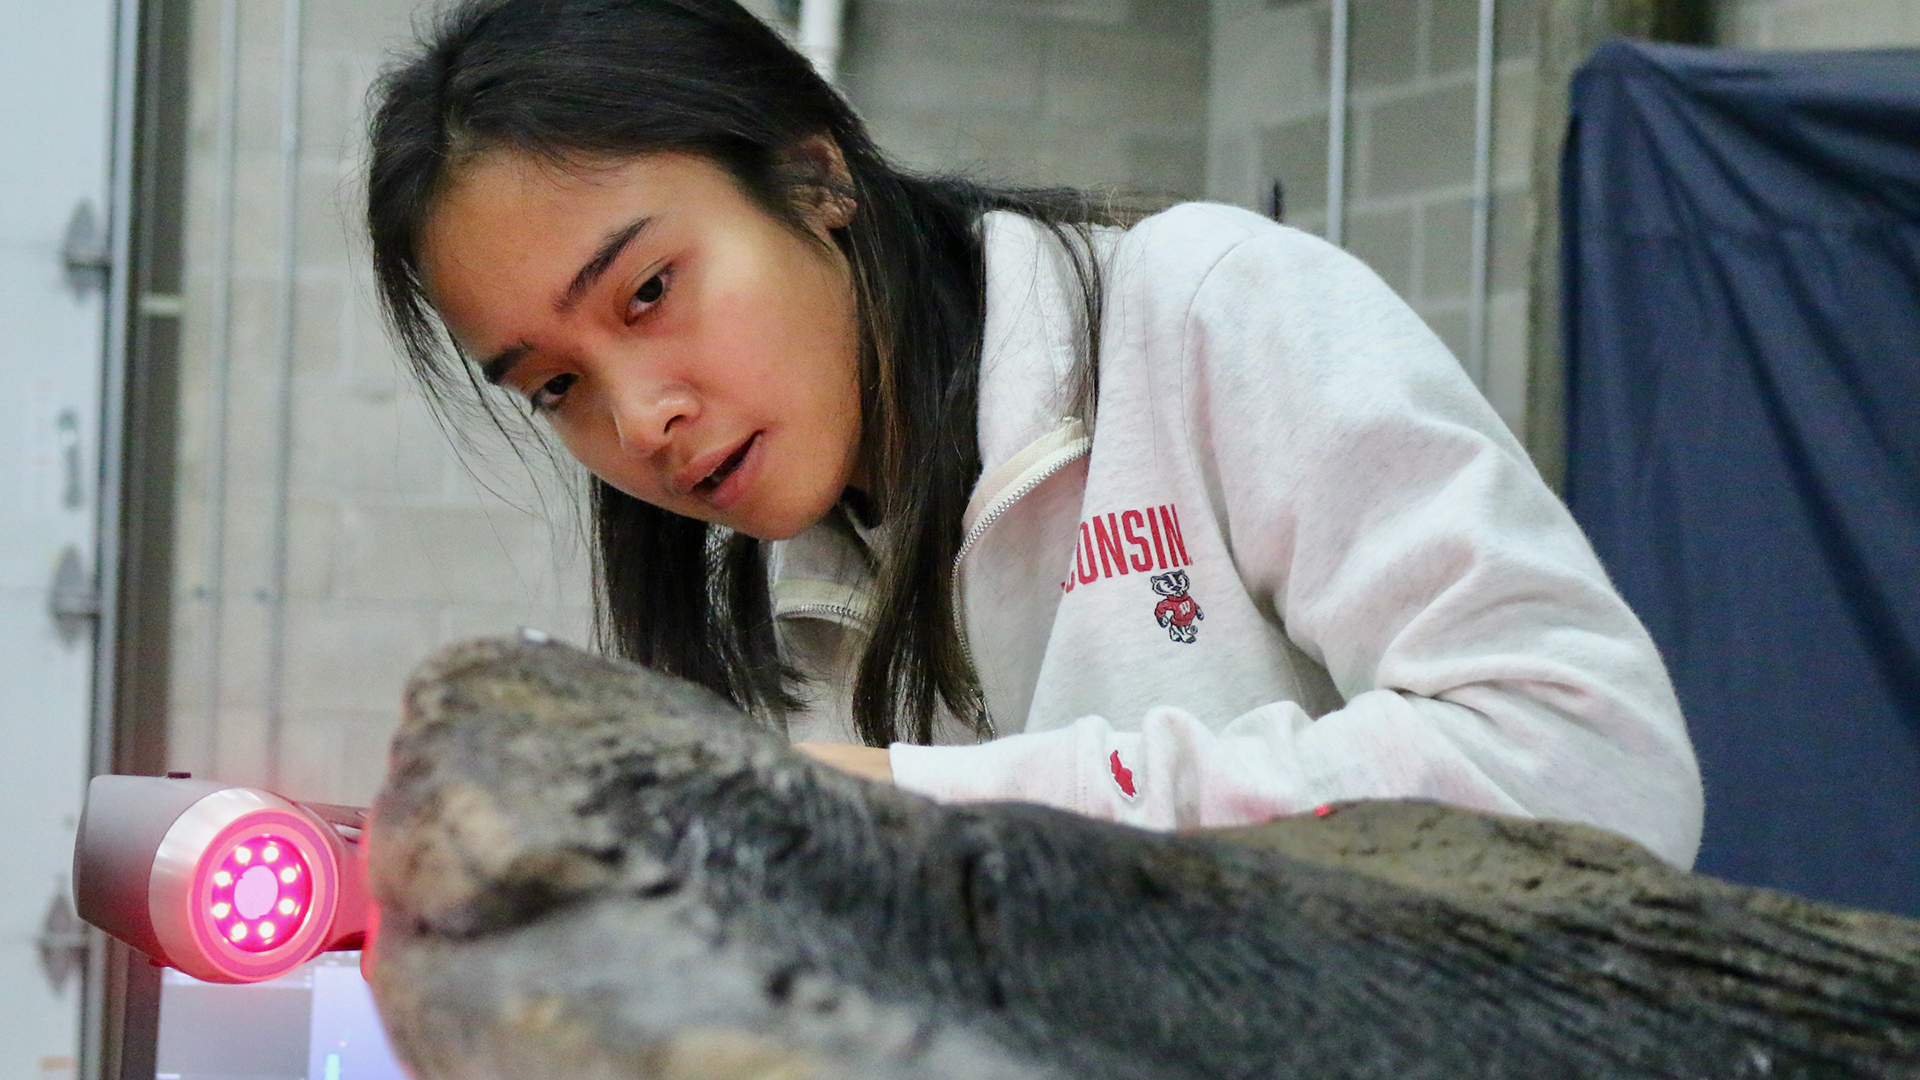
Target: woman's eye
647,295
548,394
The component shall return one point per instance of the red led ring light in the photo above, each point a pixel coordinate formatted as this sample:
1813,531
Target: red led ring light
262,891
185,892
194,878
240,886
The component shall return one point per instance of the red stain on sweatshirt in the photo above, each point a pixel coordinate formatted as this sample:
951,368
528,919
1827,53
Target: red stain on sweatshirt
1122,775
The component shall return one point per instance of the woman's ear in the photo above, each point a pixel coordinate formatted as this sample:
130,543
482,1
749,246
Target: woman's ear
823,187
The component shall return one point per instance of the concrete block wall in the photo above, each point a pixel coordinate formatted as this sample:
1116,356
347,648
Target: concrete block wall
1820,24
1410,139
1090,93
395,543
1267,106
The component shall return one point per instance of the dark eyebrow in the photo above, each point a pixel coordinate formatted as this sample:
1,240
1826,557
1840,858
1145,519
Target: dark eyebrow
496,367
610,249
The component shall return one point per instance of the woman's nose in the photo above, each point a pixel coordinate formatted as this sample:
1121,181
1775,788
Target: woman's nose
646,414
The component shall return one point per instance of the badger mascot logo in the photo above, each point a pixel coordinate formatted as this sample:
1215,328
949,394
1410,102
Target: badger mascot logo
1176,610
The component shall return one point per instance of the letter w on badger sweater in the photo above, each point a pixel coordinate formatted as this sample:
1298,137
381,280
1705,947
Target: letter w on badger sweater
1127,541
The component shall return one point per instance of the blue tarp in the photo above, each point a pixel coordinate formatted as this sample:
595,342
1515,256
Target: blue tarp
1742,311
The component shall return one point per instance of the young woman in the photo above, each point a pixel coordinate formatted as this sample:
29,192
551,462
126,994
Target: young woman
1183,524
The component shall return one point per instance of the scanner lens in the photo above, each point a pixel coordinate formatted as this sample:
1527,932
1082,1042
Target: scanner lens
258,877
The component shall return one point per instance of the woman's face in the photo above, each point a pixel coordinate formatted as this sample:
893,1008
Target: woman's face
688,348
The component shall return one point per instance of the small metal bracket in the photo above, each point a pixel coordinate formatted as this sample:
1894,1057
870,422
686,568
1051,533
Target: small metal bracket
72,493
62,941
85,252
73,601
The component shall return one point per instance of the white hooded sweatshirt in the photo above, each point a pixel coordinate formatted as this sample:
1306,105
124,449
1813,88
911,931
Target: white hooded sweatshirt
1298,560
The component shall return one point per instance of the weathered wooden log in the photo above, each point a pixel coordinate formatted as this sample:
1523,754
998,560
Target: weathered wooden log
588,870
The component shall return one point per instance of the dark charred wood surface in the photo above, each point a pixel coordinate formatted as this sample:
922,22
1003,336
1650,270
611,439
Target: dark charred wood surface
589,870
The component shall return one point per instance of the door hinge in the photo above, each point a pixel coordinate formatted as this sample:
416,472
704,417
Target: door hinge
62,941
73,600
85,252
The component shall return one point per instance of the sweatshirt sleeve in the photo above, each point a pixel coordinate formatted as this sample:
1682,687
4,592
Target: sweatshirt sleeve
1405,542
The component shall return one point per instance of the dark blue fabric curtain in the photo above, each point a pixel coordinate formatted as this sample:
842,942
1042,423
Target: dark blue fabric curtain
1742,309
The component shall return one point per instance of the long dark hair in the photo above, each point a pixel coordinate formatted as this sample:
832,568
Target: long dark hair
576,81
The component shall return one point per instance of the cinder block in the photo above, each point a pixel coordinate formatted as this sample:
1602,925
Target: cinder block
427,555
1170,16
1384,45
319,309
1516,29
1169,165
1084,155
245,570
1126,77
1449,322
1837,24
1453,35
364,737
332,92
1515,88
1268,71
189,643
1446,249
310,754
1296,153
371,26
1510,239
336,755
1383,239
240,751
326,226
358,447
312,538
1231,168
1506,383
926,141
256,193
930,60
245,632
1268,65
352,655
203,53
1418,142
1746,25
261,75
570,622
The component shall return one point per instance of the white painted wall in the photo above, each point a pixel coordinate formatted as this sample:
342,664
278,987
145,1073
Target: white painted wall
55,86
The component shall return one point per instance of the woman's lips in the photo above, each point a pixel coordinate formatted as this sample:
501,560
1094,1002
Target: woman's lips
703,473
728,480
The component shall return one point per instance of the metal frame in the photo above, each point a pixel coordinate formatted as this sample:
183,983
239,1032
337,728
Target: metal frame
1339,46
1476,358
133,560
113,416
103,1008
